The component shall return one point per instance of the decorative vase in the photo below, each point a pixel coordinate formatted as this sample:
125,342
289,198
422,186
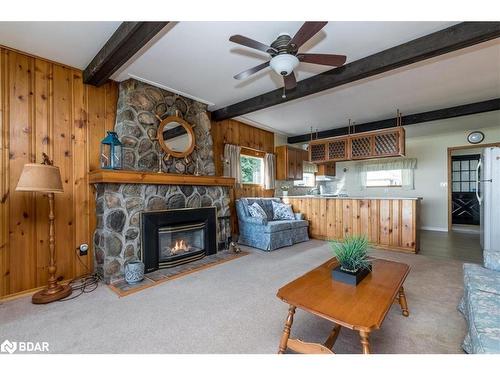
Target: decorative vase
349,277
134,271
285,193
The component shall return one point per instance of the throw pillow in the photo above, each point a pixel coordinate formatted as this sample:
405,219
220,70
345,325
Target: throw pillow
282,211
255,210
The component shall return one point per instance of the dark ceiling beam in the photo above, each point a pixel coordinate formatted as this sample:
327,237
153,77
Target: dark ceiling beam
125,42
417,118
453,38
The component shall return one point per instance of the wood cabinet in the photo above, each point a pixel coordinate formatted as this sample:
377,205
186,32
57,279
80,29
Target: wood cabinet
367,145
388,223
290,162
326,169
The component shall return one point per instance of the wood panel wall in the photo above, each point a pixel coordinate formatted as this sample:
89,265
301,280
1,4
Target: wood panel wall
238,133
45,107
387,223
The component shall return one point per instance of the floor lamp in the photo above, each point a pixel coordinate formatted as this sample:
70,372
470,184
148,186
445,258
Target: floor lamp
46,178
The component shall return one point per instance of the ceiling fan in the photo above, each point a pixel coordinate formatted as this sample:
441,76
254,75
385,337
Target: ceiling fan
285,56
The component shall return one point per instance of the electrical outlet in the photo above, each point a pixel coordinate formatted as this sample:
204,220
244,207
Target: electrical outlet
84,248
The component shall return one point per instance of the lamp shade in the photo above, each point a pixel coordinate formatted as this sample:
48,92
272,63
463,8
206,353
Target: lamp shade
40,177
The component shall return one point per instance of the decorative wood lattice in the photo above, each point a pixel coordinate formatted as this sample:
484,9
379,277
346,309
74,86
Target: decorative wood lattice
337,149
387,144
318,152
366,145
361,147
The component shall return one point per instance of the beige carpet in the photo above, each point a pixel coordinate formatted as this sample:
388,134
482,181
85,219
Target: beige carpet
232,308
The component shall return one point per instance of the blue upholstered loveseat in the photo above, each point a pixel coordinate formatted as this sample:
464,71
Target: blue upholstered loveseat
481,305
268,234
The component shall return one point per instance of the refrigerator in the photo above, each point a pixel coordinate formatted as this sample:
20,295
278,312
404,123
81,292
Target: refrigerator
488,195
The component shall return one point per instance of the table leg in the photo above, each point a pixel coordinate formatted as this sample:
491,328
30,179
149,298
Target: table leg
365,341
330,341
286,330
402,302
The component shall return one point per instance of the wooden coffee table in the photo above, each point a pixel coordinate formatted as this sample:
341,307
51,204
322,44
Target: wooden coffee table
362,308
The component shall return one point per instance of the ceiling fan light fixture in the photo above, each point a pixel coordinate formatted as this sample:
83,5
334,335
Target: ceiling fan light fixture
284,64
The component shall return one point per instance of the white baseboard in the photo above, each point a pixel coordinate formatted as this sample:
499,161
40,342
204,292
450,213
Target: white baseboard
435,229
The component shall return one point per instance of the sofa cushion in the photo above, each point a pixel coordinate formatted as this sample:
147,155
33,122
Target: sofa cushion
492,259
265,203
282,211
480,278
255,210
296,223
484,321
277,226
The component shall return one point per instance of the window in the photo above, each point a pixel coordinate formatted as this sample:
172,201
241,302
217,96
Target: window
252,169
308,180
389,178
464,173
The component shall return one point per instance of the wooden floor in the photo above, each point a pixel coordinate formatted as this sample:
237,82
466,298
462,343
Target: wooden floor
451,245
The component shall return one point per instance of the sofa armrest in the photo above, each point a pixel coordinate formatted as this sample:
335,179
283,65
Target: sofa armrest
492,259
253,220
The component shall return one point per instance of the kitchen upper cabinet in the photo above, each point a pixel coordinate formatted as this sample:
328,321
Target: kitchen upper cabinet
290,162
326,169
360,146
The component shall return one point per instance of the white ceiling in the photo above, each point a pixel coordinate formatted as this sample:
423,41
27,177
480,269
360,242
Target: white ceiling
71,43
464,124
466,76
196,59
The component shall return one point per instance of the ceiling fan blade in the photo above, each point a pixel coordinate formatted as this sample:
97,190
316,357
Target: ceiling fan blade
306,32
247,42
290,81
251,71
322,59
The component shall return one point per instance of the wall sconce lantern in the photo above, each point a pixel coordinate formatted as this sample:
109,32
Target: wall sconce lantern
111,152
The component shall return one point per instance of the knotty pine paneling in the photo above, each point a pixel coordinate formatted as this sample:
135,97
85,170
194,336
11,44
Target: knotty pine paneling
388,223
238,133
45,107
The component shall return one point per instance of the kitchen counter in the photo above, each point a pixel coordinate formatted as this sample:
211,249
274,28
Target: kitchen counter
388,222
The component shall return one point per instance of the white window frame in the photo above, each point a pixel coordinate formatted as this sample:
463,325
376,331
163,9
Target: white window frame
382,185
261,182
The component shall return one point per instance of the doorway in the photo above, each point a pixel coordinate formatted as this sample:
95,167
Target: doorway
465,209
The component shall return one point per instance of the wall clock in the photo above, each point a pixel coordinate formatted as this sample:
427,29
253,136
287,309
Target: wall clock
475,137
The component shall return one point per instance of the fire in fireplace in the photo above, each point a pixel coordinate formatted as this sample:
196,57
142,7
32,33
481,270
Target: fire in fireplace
179,242
174,237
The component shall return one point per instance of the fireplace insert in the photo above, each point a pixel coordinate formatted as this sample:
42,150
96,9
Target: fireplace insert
174,237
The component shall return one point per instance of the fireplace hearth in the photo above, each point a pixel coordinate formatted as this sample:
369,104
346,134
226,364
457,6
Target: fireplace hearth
174,237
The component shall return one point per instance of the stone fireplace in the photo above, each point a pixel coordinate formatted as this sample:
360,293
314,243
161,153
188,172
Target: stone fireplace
119,205
174,237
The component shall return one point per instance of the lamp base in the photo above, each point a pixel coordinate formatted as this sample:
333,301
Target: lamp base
55,294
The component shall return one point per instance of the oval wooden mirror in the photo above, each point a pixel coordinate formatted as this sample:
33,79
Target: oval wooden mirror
176,137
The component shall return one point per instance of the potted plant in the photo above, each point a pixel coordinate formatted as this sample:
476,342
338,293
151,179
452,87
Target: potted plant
352,255
284,190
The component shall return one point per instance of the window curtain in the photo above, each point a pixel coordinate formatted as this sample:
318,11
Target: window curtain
406,165
269,171
232,167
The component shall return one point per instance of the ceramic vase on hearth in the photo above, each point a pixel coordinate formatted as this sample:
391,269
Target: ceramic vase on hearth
134,271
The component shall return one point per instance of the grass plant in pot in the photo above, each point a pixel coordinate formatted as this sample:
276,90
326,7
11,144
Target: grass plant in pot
352,255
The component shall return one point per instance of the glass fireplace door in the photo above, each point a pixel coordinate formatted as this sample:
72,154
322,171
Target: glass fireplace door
180,244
